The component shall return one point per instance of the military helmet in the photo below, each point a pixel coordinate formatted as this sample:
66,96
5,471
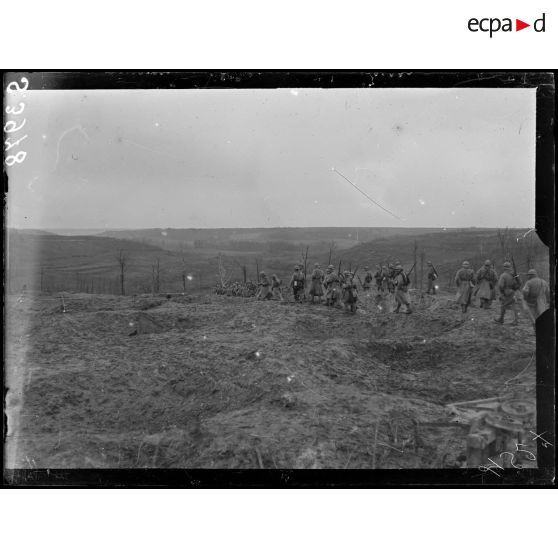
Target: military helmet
487,262
399,267
296,268
507,265
365,268
532,272
428,263
465,264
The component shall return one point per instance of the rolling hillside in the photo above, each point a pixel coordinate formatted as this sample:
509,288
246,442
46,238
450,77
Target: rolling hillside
51,263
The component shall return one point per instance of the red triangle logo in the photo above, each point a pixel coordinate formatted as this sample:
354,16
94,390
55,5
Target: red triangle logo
519,25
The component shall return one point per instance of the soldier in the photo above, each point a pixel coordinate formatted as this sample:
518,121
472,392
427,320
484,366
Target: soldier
486,281
507,286
379,278
536,295
332,284
465,280
265,291
317,288
390,278
297,283
401,285
350,294
276,287
431,277
368,278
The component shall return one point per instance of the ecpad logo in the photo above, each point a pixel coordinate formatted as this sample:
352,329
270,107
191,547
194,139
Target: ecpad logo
493,25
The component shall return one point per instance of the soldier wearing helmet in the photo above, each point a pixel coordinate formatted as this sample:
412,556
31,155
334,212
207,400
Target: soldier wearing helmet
536,295
507,287
401,283
317,287
486,282
368,278
297,283
264,283
332,283
431,277
350,295
465,281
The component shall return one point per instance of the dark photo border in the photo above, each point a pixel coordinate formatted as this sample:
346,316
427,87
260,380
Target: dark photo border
543,476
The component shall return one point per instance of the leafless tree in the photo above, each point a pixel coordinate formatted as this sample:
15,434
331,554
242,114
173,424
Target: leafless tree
155,276
504,242
422,257
122,260
183,275
415,250
332,247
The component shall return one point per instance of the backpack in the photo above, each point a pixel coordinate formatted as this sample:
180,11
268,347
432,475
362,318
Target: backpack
406,280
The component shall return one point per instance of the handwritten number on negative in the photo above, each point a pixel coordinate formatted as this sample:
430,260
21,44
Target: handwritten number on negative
14,85
11,110
13,127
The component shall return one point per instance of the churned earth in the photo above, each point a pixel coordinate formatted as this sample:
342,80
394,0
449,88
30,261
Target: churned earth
211,381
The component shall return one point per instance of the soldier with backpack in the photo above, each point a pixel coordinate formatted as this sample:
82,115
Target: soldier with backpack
297,284
379,278
276,287
265,287
465,280
317,288
536,295
368,278
332,283
431,277
401,285
508,284
350,294
486,281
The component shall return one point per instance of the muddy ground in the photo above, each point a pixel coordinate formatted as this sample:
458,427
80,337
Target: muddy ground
220,382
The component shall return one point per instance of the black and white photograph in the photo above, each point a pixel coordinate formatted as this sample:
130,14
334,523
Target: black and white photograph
225,271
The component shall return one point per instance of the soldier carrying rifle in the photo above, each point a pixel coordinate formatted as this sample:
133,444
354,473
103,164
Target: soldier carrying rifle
401,282
431,277
508,284
465,281
486,281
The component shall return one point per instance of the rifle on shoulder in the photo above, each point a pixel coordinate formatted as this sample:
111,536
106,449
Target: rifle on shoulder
515,274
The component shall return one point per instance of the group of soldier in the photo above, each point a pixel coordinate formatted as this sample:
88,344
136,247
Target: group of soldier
486,285
339,289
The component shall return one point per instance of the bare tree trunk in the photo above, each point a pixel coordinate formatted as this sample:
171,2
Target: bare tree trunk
415,249
421,269
122,260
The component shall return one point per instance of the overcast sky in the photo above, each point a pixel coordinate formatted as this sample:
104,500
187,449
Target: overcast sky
263,158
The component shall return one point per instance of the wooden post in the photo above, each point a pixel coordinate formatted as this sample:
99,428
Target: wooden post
421,269
415,248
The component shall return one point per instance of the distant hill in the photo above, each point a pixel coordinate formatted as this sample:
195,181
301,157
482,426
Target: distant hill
51,262
250,239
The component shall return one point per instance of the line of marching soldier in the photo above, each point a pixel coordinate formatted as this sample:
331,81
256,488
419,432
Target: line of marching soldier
332,288
337,289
